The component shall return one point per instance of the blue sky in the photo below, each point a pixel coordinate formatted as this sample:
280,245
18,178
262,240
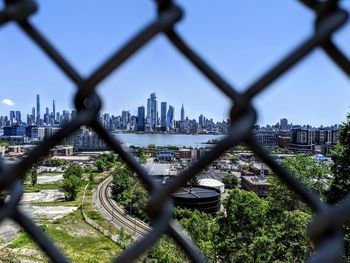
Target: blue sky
240,39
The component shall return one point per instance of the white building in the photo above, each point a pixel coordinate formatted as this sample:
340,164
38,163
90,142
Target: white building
212,183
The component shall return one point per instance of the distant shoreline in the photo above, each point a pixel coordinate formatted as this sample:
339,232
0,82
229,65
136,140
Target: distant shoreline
165,133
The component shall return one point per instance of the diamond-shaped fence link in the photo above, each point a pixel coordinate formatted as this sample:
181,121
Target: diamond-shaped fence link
325,229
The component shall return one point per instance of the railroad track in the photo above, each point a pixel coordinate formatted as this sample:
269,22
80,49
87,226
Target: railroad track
128,223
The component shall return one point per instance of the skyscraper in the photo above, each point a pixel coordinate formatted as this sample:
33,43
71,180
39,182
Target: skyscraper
12,117
182,113
54,110
153,111
38,109
47,116
201,120
148,108
33,114
170,117
141,118
284,124
18,118
163,122
125,119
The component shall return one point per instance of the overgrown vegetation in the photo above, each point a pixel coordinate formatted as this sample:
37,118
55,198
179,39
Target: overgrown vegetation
72,181
31,176
128,192
80,242
340,186
22,240
105,161
234,158
53,162
142,156
5,144
253,229
230,181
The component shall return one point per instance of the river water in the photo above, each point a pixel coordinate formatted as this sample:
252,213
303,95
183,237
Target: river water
179,140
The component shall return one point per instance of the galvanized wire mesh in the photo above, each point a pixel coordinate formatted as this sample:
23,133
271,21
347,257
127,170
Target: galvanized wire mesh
324,230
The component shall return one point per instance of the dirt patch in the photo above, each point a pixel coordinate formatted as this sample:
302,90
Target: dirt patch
48,212
29,255
49,178
6,255
78,230
9,230
43,196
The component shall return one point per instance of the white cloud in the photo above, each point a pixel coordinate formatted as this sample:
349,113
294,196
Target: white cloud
8,102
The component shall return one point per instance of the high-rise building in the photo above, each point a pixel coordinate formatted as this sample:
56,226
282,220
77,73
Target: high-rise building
54,110
182,113
33,114
201,120
170,117
38,109
284,124
65,117
74,114
153,111
149,108
141,118
29,119
12,117
125,119
163,122
58,115
18,117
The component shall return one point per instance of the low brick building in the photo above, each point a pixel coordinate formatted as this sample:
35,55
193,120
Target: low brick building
256,184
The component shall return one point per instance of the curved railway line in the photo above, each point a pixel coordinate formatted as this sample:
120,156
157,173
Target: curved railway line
128,223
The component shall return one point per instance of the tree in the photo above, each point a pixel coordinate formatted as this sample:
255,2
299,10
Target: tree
128,192
166,251
230,181
34,177
340,186
54,162
100,165
122,179
5,144
311,173
91,177
279,150
283,240
244,220
105,161
73,170
70,187
250,233
139,197
202,228
142,156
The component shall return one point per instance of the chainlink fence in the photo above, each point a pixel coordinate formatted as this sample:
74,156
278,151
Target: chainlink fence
325,229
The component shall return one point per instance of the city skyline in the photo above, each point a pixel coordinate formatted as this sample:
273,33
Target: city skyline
302,94
170,112
36,109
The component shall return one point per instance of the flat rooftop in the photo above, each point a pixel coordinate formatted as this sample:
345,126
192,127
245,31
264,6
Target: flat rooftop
256,180
196,191
157,168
